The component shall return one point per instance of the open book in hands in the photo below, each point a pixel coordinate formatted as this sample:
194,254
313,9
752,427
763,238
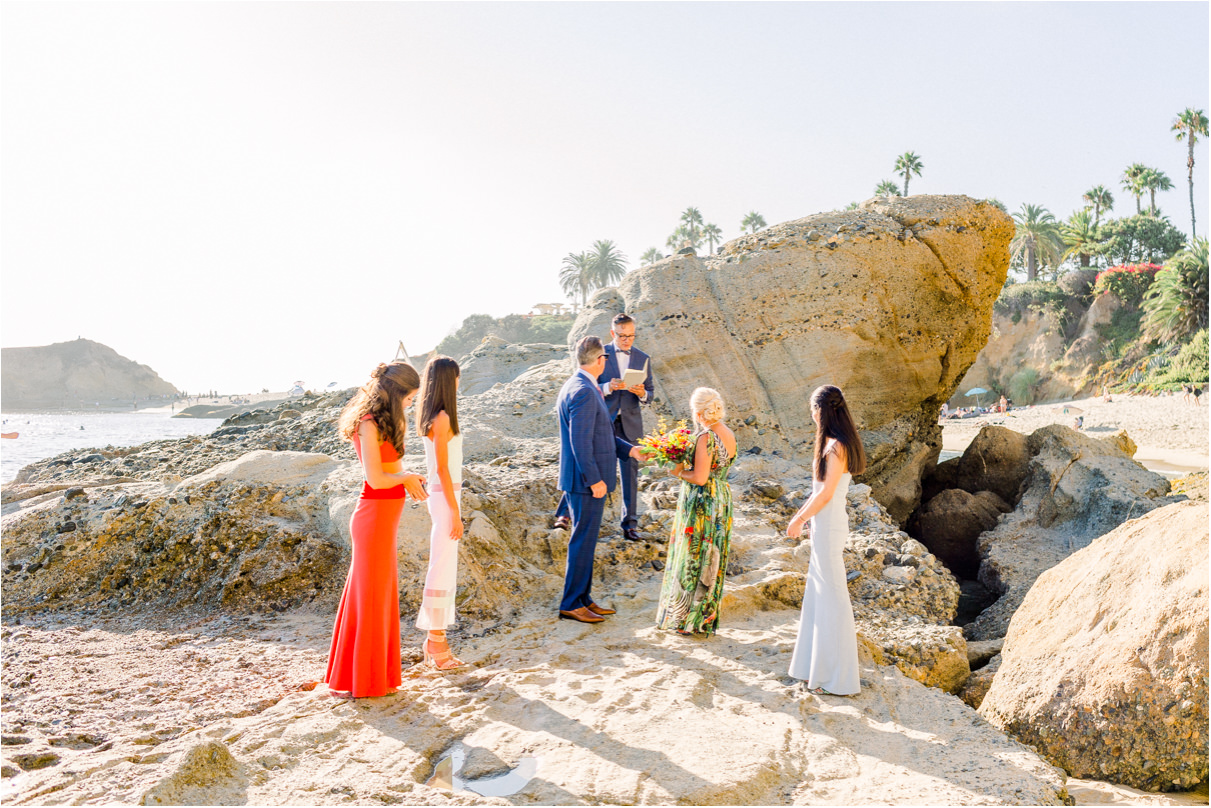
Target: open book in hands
635,376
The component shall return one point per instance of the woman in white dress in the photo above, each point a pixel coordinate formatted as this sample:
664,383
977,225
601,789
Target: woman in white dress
826,651
437,423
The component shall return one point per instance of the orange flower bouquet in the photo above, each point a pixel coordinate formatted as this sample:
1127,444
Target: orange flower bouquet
668,447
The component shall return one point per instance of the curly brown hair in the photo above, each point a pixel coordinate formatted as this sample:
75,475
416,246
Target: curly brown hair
383,398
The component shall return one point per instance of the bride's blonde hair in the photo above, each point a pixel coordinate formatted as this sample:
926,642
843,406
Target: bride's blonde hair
707,402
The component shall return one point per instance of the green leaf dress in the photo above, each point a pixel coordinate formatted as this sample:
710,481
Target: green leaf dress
698,547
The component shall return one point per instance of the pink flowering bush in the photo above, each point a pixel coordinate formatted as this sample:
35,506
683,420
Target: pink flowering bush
1127,282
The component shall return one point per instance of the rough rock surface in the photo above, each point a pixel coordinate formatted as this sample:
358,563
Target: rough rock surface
976,687
495,361
950,523
995,461
1105,664
1076,489
891,302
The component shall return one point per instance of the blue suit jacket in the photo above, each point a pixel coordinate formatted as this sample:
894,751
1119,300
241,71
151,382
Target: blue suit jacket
588,449
623,403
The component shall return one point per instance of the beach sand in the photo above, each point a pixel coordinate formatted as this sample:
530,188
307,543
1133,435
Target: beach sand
1171,434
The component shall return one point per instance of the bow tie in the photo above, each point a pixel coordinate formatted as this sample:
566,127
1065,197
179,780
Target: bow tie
628,353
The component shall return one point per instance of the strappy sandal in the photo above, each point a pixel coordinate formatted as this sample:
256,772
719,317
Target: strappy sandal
819,691
441,660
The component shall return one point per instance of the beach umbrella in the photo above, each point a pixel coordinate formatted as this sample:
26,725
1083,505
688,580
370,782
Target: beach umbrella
977,392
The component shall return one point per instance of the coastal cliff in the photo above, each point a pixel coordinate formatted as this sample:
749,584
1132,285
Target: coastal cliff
74,374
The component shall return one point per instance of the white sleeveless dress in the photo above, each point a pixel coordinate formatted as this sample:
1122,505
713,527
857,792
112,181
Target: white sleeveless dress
826,651
441,581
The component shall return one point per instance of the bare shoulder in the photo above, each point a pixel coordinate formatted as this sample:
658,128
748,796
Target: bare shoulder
367,428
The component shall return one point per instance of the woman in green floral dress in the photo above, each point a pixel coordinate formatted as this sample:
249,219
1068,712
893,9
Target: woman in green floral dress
702,530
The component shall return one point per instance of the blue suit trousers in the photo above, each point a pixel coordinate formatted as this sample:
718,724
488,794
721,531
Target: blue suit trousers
586,524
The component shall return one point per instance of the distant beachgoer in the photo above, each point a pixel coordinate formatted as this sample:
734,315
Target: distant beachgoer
437,424
364,658
945,409
1078,423
1185,393
1197,392
1003,404
826,650
1106,394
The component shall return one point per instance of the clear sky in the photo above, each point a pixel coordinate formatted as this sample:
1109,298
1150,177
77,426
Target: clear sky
245,194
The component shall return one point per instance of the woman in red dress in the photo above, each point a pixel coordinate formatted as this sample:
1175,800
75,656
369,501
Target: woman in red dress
364,658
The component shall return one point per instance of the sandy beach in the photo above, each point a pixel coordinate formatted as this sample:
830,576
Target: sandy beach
1171,434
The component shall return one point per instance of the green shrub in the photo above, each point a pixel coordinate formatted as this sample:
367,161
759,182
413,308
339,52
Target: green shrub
1176,305
1121,333
1022,384
1033,295
1188,367
1127,282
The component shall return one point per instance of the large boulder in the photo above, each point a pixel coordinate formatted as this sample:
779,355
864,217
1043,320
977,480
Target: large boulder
495,361
892,302
1076,489
1104,668
950,523
995,461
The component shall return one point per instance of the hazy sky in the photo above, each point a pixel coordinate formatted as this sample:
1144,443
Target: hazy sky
245,194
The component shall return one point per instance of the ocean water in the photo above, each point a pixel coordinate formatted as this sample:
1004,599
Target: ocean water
44,435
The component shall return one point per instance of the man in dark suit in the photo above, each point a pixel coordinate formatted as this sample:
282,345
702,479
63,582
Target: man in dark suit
588,449
623,403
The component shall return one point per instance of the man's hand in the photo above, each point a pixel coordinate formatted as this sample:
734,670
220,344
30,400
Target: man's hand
639,453
639,390
616,384
598,489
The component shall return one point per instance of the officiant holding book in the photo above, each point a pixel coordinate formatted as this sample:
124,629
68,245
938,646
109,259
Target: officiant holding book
626,384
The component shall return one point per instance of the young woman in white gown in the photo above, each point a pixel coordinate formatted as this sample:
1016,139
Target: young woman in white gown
826,651
437,423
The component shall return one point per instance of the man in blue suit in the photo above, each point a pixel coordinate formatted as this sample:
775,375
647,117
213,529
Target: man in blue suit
623,404
588,449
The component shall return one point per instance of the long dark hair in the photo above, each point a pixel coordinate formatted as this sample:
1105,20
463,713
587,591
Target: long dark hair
383,398
438,391
836,423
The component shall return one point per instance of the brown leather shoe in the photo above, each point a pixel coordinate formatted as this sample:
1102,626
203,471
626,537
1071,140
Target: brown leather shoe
602,610
563,522
632,534
582,615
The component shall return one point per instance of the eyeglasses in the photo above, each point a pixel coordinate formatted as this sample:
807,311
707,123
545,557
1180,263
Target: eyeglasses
625,336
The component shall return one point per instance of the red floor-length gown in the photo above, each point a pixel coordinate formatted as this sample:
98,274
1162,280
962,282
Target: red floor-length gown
364,658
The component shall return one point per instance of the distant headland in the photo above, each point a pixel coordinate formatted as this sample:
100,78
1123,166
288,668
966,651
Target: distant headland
75,375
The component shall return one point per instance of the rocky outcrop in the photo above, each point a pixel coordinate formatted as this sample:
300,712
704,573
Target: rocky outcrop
1105,665
495,361
950,524
74,374
891,302
995,461
1076,489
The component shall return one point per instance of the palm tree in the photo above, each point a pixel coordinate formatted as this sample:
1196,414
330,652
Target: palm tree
753,222
1133,184
651,256
908,164
1175,306
576,276
1080,237
1037,237
887,188
681,235
1154,180
691,218
713,235
1189,125
1101,200
608,264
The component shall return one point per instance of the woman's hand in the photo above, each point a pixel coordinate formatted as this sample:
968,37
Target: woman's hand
414,485
456,527
795,528
677,469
